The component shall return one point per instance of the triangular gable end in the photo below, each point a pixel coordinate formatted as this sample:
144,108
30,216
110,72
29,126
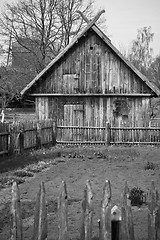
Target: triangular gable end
107,41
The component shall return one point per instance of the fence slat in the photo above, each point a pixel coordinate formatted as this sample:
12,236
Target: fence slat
127,230
123,221
16,216
153,215
87,213
40,216
107,133
63,213
105,221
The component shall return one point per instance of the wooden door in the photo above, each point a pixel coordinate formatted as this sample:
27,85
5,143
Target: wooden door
73,117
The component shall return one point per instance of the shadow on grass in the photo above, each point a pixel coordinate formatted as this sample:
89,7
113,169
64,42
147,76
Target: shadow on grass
9,163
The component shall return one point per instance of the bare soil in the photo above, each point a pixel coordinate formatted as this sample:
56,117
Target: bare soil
75,165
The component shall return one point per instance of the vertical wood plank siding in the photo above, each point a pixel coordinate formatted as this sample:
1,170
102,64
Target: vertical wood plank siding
92,67
96,68
87,111
42,108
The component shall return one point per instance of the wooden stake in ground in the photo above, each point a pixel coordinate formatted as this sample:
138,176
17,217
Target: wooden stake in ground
16,216
126,230
63,212
154,214
87,213
40,216
105,221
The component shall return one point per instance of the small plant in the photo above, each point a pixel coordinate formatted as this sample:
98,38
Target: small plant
35,168
149,166
23,173
137,196
8,180
100,155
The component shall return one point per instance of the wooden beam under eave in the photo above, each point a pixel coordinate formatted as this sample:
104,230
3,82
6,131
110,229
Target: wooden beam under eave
92,95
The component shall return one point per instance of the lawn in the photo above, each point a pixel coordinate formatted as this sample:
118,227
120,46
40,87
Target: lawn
75,165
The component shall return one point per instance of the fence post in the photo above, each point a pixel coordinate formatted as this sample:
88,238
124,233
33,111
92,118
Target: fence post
105,221
38,137
153,215
107,133
21,140
54,135
87,213
10,142
16,216
40,216
126,229
63,213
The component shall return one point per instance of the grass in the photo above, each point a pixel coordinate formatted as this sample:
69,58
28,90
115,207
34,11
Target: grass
10,163
17,167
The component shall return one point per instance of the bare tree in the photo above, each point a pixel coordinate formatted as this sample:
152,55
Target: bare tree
44,27
71,22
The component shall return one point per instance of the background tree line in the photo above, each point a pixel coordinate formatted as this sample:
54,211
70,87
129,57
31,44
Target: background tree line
42,28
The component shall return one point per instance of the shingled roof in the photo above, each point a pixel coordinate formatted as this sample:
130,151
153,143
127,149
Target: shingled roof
107,41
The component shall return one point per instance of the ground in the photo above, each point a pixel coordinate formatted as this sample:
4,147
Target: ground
75,165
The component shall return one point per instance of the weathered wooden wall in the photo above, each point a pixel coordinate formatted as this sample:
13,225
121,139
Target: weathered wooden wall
91,67
89,111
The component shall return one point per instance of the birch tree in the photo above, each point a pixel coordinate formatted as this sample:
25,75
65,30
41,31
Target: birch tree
141,52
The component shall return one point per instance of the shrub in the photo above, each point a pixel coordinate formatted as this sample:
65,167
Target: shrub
149,166
137,196
22,173
38,167
8,180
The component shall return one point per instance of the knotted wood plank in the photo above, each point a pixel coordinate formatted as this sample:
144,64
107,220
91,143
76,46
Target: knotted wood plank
40,216
63,213
87,213
154,214
105,221
126,230
16,216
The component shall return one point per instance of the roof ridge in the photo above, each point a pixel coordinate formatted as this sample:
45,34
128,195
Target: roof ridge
104,37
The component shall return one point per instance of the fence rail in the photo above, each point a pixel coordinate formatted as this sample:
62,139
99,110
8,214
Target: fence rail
115,223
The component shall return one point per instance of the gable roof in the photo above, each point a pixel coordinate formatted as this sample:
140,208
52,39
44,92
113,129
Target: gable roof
101,34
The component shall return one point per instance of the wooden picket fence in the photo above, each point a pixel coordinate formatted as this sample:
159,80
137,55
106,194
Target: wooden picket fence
18,136
135,135
121,218
83,134
107,135
4,137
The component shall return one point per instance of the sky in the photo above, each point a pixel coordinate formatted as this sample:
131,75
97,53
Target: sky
125,17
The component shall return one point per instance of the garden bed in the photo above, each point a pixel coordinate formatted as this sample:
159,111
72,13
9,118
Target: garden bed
75,165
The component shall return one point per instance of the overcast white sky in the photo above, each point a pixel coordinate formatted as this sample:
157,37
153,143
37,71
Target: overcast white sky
124,17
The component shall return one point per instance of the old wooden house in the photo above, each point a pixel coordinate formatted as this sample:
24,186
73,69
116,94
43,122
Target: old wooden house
90,83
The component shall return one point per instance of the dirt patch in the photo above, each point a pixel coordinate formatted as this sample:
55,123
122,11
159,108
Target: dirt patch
75,165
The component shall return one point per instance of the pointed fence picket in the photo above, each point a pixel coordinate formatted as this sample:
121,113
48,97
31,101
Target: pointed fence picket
123,229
